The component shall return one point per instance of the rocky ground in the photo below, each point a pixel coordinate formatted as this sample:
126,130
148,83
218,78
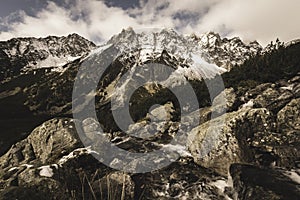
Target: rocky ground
256,157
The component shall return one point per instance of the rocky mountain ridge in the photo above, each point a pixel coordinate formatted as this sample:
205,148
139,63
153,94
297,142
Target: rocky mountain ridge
20,55
27,54
224,52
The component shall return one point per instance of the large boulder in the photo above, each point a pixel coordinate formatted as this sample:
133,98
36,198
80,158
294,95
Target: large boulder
288,118
224,140
47,143
28,168
281,147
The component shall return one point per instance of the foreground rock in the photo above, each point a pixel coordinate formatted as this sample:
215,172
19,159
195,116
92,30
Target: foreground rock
253,183
223,141
45,144
261,127
51,164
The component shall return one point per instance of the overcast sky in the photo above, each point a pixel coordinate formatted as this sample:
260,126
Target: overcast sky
262,20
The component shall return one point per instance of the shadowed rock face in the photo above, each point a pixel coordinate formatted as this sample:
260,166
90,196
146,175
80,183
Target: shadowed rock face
252,182
42,153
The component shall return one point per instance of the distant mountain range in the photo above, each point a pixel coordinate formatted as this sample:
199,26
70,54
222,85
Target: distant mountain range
25,54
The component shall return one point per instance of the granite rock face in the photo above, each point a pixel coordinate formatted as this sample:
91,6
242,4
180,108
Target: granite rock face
223,141
288,118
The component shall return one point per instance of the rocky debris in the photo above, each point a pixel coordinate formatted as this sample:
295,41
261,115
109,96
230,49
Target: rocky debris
26,181
161,112
225,101
82,177
273,96
76,174
264,130
276,149
260,128
49,161
183,179
72,177
281,147
251,182
251,135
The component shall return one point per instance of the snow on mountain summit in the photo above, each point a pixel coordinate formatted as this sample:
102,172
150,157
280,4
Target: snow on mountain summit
226,52
22,55
26,54
184,56
209,48
222,51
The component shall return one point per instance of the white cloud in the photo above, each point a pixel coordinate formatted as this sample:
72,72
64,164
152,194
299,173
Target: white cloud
264,20
256,19
99,21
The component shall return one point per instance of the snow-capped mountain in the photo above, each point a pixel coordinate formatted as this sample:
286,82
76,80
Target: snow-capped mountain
184,55
39,74
194,57
226,52
191,57
21,55
210,46
26,54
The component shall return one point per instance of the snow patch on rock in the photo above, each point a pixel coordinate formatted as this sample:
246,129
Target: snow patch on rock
46,171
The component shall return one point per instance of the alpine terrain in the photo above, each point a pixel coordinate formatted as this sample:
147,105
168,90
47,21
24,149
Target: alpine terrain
240,140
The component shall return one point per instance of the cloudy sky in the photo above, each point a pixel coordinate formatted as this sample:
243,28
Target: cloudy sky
98,20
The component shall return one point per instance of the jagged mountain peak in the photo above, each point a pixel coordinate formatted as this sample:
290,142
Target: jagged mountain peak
226,52
164,46
134,38
211,46
72,36
210,34
20,45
